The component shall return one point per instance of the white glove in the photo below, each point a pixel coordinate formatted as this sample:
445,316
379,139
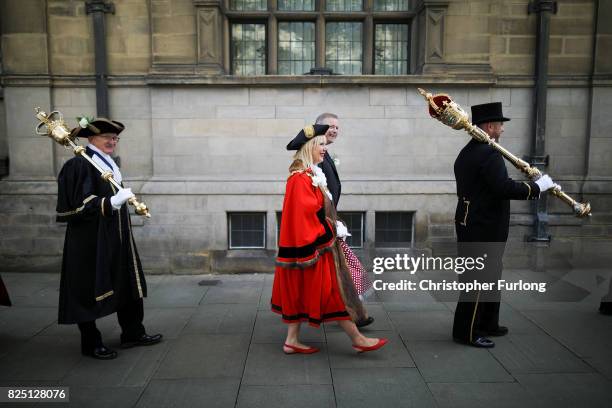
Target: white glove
341,230
545,183
121,197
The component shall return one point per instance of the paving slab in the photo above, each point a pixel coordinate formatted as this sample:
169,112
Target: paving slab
175,291
294,396
23,323
588,335
536,353
190,392
482,395
248,292
133,367
568,390
423,325
381,387
449,362
43,358
222,319
268,365
102,397
205,356
342,355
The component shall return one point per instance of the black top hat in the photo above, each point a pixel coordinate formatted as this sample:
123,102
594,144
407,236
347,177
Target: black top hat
305,135
95,127
488,112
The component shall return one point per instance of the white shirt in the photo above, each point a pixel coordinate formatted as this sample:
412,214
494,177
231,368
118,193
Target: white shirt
115,169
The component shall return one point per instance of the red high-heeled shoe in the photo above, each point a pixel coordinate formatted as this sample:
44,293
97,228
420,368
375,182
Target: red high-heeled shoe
300,350
363,349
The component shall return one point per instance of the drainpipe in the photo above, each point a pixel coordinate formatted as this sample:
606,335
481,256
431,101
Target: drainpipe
98,8
544,8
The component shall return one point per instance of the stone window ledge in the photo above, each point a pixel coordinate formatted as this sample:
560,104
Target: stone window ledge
155,79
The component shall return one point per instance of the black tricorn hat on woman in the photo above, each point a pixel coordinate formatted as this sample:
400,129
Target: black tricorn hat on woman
488,112
92,127
305,135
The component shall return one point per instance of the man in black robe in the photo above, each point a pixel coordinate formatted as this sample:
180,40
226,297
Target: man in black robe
101,269
482,220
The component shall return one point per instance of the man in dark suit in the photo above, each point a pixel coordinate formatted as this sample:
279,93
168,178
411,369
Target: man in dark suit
334,186
328,165
482,219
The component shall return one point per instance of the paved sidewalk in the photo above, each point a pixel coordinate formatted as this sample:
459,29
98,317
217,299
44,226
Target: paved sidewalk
222,348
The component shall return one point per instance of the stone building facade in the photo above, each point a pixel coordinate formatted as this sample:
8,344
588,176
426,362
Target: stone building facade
205,141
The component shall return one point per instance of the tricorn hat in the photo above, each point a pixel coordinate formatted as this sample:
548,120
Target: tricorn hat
92,127
305,135
488,112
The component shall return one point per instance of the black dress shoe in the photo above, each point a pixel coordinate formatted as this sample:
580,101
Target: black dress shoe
500,331
480,342
100,353
364,322
144,340
605,308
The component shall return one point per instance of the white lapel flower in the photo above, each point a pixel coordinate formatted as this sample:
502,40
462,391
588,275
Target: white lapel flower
336,160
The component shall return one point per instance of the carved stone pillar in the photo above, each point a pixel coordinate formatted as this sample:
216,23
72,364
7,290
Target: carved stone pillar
210,36
431,21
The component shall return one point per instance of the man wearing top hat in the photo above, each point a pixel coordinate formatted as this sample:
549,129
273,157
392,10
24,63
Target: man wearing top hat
482,218
101,269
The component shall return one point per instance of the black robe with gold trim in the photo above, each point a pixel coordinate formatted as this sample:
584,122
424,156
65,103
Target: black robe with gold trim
101,269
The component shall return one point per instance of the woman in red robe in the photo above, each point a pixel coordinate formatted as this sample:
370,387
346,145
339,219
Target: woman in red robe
306,287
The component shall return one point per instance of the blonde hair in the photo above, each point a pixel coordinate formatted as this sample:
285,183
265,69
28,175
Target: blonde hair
303,158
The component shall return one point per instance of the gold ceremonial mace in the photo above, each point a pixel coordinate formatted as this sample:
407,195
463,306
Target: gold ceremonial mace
443,108
53,125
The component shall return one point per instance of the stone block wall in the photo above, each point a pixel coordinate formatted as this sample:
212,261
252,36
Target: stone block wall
193,154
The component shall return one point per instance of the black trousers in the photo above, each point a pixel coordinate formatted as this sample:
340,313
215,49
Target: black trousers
477,311
130,318
606,302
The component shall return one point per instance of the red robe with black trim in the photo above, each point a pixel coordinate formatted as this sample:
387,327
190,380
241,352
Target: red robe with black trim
305,283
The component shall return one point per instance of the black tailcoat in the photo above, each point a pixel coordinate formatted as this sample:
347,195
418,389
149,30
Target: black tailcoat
101,270
482,219
484,191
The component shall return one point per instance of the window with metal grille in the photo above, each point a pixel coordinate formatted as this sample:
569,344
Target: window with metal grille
355,224
344,47
248,5
391,49
247,230
248,49
296,47
292,37
394,229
